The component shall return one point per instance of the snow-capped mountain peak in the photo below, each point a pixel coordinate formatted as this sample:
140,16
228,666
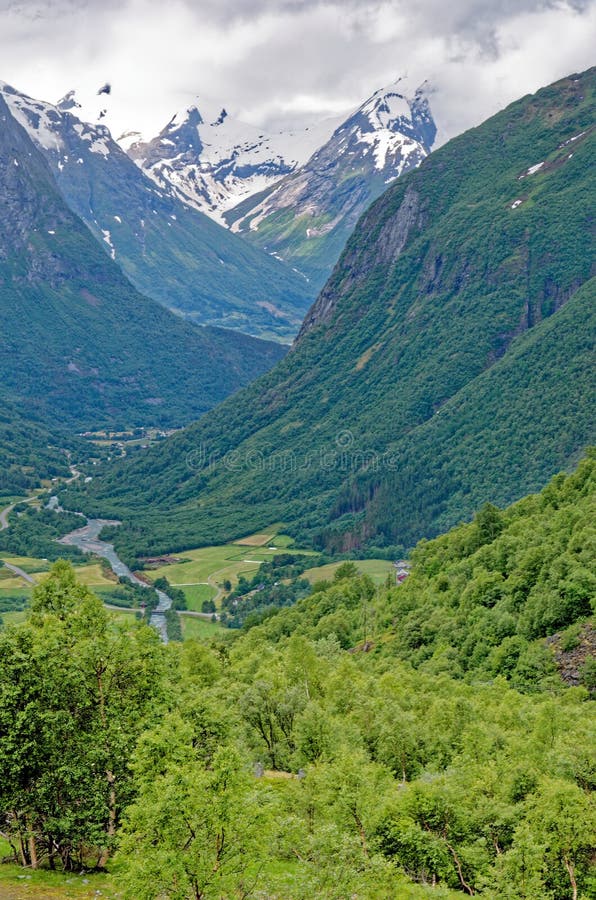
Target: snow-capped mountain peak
311,212
393,125
213,161
92,107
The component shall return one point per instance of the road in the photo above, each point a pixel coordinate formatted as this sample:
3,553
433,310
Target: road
28,578
192,614
4,516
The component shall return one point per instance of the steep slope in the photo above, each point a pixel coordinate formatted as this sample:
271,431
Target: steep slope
79,347
447,362
307,219
29,451
168,250
214,162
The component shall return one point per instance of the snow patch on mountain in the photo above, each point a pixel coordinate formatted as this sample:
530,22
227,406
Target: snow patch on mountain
214,161
45,125
388,134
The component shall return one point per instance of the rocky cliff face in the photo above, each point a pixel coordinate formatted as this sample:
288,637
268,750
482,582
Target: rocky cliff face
29,219
356,264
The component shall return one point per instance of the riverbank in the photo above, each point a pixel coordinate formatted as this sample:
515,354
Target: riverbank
87,540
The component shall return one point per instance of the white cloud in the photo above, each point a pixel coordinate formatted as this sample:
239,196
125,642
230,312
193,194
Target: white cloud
281,61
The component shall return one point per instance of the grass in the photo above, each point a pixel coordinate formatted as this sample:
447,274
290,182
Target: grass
17,883
123,616
199,628
206,568
14,586
196,594
29,564
14,618
377,569
256,540
10,583
92,575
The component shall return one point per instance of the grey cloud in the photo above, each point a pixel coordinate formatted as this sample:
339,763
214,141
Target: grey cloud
277,61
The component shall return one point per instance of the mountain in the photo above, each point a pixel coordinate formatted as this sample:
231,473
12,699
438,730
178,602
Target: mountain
296,195
169,250
79,346
447,362
307,218
214,161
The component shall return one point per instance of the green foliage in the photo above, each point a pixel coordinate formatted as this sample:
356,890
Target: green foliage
439,374
303,757
177,595
173,626
480,597
29,451
93,352
34,532
74,696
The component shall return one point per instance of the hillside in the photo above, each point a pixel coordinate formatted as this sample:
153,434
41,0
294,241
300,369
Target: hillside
493,597
417,741
307,218
79,347
447,361
168,250
29,451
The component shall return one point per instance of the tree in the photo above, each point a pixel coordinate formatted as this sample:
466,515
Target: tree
75,692
198,829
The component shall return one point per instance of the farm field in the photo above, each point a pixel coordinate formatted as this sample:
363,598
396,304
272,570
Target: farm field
377,569
193,627
202,572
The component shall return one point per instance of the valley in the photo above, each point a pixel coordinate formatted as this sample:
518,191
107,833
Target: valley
203,575
290,621
429,375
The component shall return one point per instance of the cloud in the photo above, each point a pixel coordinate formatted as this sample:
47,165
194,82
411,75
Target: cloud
282,61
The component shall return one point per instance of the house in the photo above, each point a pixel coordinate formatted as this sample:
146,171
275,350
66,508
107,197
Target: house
402,570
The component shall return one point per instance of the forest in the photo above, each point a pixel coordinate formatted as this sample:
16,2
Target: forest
432,739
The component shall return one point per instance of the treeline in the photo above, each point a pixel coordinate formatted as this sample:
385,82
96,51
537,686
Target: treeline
275,585
323,753
34,532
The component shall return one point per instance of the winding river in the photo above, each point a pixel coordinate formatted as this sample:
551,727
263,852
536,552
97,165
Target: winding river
87,540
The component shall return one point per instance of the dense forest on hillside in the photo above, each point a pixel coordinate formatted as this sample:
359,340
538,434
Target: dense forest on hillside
448,361
29,452
413,741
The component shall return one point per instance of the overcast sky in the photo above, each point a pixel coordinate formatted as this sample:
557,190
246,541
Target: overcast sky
280,62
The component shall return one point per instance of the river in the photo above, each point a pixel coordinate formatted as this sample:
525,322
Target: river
87,540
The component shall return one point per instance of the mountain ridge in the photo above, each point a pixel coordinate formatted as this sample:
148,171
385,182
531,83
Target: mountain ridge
79,347
307,218
374,430
171,252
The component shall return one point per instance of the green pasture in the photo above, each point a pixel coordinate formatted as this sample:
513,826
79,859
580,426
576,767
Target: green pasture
377,569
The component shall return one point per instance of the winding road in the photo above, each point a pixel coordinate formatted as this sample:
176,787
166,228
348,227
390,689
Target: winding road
20,572
4,516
